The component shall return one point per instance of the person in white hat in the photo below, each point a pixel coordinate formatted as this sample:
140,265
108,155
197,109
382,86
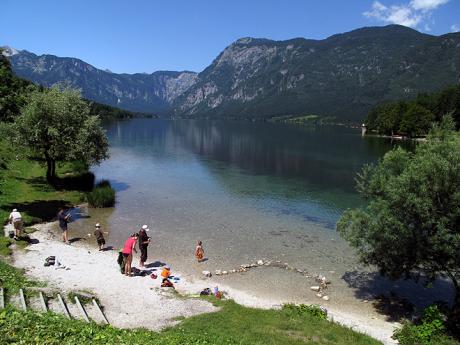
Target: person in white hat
99,236
16,219
144,241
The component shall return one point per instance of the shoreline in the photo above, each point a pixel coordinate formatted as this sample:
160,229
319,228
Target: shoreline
92,270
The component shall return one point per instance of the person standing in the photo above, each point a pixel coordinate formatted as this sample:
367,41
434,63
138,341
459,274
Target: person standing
144,241
128,248
99,236
16,219
64,219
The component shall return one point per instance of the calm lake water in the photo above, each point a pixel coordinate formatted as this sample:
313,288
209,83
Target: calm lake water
306,172
247,190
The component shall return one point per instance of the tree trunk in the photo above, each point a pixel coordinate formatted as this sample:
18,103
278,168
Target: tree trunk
50,168
53,169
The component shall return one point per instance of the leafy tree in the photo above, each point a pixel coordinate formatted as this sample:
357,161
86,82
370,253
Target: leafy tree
390,117
12,91
448,101
411,225
416,120
57,124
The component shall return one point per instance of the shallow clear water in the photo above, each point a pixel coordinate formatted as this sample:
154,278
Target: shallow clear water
247,190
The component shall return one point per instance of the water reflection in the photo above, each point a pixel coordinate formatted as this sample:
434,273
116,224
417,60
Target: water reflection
323,157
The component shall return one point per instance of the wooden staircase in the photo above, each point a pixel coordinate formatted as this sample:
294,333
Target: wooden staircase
42,300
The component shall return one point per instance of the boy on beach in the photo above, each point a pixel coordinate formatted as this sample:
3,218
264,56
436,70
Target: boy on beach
64,219
99,237
199,252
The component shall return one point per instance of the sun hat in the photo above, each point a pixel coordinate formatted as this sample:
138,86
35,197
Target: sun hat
98,225
145,227
15,210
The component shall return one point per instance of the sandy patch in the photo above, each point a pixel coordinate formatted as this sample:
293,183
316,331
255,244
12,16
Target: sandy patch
129,301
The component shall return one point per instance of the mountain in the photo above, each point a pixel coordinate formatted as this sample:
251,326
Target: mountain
150,93
342,76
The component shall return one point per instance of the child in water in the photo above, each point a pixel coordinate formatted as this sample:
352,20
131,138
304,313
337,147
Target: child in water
199,252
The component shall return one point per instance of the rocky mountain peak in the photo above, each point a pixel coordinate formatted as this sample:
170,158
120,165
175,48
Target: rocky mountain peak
9,51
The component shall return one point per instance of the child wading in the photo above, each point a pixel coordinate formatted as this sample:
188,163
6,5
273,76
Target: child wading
199,252
99,236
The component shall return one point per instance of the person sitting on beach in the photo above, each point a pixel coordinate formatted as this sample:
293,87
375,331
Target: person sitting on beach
128,248
64,219
16,219
99,237
199,252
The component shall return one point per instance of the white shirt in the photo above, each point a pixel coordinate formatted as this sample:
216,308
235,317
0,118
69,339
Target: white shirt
15,216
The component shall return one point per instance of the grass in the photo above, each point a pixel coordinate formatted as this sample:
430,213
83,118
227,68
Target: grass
23,186
233,324
103,195
13,279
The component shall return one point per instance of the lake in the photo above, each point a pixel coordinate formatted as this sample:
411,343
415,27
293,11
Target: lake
249,191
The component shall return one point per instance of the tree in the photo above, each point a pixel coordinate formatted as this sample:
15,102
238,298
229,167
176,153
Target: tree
390,117
411,225
416,120
56,123
13,90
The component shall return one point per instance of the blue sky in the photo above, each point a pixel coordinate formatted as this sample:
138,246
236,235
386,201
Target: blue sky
149,35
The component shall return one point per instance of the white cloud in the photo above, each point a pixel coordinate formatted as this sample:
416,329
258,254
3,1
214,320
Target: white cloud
427,5
412,14
402,14
455,28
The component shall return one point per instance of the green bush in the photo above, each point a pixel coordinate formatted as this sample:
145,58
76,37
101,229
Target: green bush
303,309
103,195
430,331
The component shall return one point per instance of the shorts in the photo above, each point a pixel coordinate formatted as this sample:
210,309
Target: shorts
17,224
125,255
63,228
100,242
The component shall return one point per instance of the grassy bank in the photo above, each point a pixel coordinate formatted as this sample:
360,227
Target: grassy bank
23,186
223,327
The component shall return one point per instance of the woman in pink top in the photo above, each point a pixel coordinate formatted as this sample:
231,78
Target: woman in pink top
127,252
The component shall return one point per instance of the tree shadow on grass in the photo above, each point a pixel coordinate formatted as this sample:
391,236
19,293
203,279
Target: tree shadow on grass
401,298
40,210
82,182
